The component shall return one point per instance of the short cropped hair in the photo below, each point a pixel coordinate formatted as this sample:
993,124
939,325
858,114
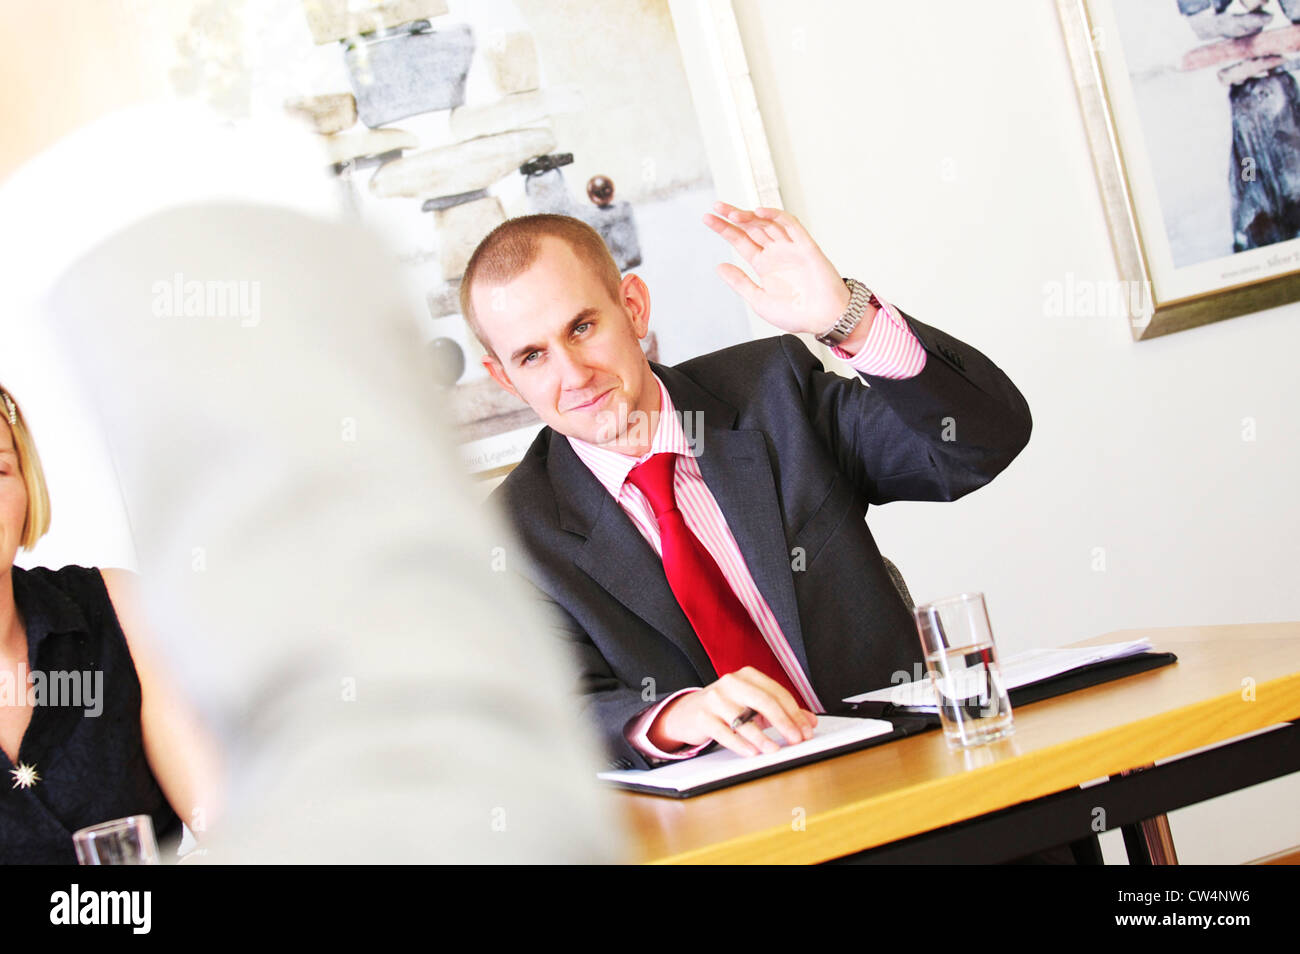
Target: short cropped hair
37,521
513,246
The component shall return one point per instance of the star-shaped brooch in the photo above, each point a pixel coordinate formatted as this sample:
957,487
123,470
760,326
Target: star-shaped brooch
25,776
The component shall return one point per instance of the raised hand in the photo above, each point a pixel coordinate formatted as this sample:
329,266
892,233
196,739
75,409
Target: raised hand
798,289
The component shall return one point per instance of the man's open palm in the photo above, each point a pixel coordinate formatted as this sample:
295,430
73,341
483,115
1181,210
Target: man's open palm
798,289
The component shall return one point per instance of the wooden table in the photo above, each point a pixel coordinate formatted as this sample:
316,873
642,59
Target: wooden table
1229,681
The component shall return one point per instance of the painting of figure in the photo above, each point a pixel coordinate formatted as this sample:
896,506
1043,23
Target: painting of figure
1219,104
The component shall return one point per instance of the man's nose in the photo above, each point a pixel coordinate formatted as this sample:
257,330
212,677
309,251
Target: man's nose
574,372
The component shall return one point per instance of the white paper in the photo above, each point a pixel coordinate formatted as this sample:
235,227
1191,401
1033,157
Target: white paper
831,732
1022,669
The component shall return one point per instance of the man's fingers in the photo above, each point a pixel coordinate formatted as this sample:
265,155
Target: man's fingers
804,719
792,226
755,229
774,230
776,225
740,283
746,739
727,211
769,700
757,738
746,247
769,685
762,233
753,733
718,729
803,716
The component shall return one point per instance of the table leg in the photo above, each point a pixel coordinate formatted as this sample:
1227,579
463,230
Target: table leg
1150,841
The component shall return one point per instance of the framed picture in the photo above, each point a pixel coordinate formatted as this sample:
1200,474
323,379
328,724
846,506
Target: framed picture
443,119
1192,110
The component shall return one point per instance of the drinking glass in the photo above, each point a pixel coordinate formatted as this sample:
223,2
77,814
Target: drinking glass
122,841
957,642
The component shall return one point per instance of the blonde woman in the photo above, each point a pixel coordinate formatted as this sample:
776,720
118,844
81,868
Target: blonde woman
88,730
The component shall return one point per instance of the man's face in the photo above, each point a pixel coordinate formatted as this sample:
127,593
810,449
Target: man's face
568,349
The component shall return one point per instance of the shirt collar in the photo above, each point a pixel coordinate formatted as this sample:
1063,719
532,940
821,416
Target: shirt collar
611,468
45,610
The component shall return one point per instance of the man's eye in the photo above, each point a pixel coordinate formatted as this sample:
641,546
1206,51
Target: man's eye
529,357
582,327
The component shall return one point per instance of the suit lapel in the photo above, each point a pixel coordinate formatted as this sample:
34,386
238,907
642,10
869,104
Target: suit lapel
616,556
738,471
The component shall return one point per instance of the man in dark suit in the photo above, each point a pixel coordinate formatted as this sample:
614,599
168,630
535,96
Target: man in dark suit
711,568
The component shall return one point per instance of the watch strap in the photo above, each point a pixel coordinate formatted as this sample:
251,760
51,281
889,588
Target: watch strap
860,296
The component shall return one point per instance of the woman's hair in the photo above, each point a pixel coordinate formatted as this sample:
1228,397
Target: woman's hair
29,466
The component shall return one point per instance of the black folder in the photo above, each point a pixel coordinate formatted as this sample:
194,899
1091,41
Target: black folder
1081,678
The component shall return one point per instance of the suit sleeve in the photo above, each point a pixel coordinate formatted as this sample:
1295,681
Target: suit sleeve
638,733
890,351
604,700
937,435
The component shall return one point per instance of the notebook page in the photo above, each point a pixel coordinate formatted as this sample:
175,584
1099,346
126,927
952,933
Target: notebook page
831,732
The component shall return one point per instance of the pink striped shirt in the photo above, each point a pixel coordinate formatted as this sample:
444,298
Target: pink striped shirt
890,350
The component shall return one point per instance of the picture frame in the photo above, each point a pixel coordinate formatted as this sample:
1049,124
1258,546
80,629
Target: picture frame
1164,205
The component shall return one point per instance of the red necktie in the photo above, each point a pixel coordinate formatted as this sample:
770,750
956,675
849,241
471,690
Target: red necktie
721,622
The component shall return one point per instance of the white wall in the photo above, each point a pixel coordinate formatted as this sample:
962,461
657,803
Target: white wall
937,153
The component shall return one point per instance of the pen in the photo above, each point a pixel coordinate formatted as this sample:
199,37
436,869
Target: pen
746,715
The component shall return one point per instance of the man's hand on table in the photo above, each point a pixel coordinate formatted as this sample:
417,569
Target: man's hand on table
706,715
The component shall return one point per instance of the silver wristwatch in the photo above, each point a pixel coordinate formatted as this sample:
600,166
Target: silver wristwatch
859,297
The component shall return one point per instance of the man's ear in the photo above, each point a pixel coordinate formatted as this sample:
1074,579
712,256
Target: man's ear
636,301
498,372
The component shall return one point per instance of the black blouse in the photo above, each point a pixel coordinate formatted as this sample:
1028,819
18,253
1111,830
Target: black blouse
87,748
